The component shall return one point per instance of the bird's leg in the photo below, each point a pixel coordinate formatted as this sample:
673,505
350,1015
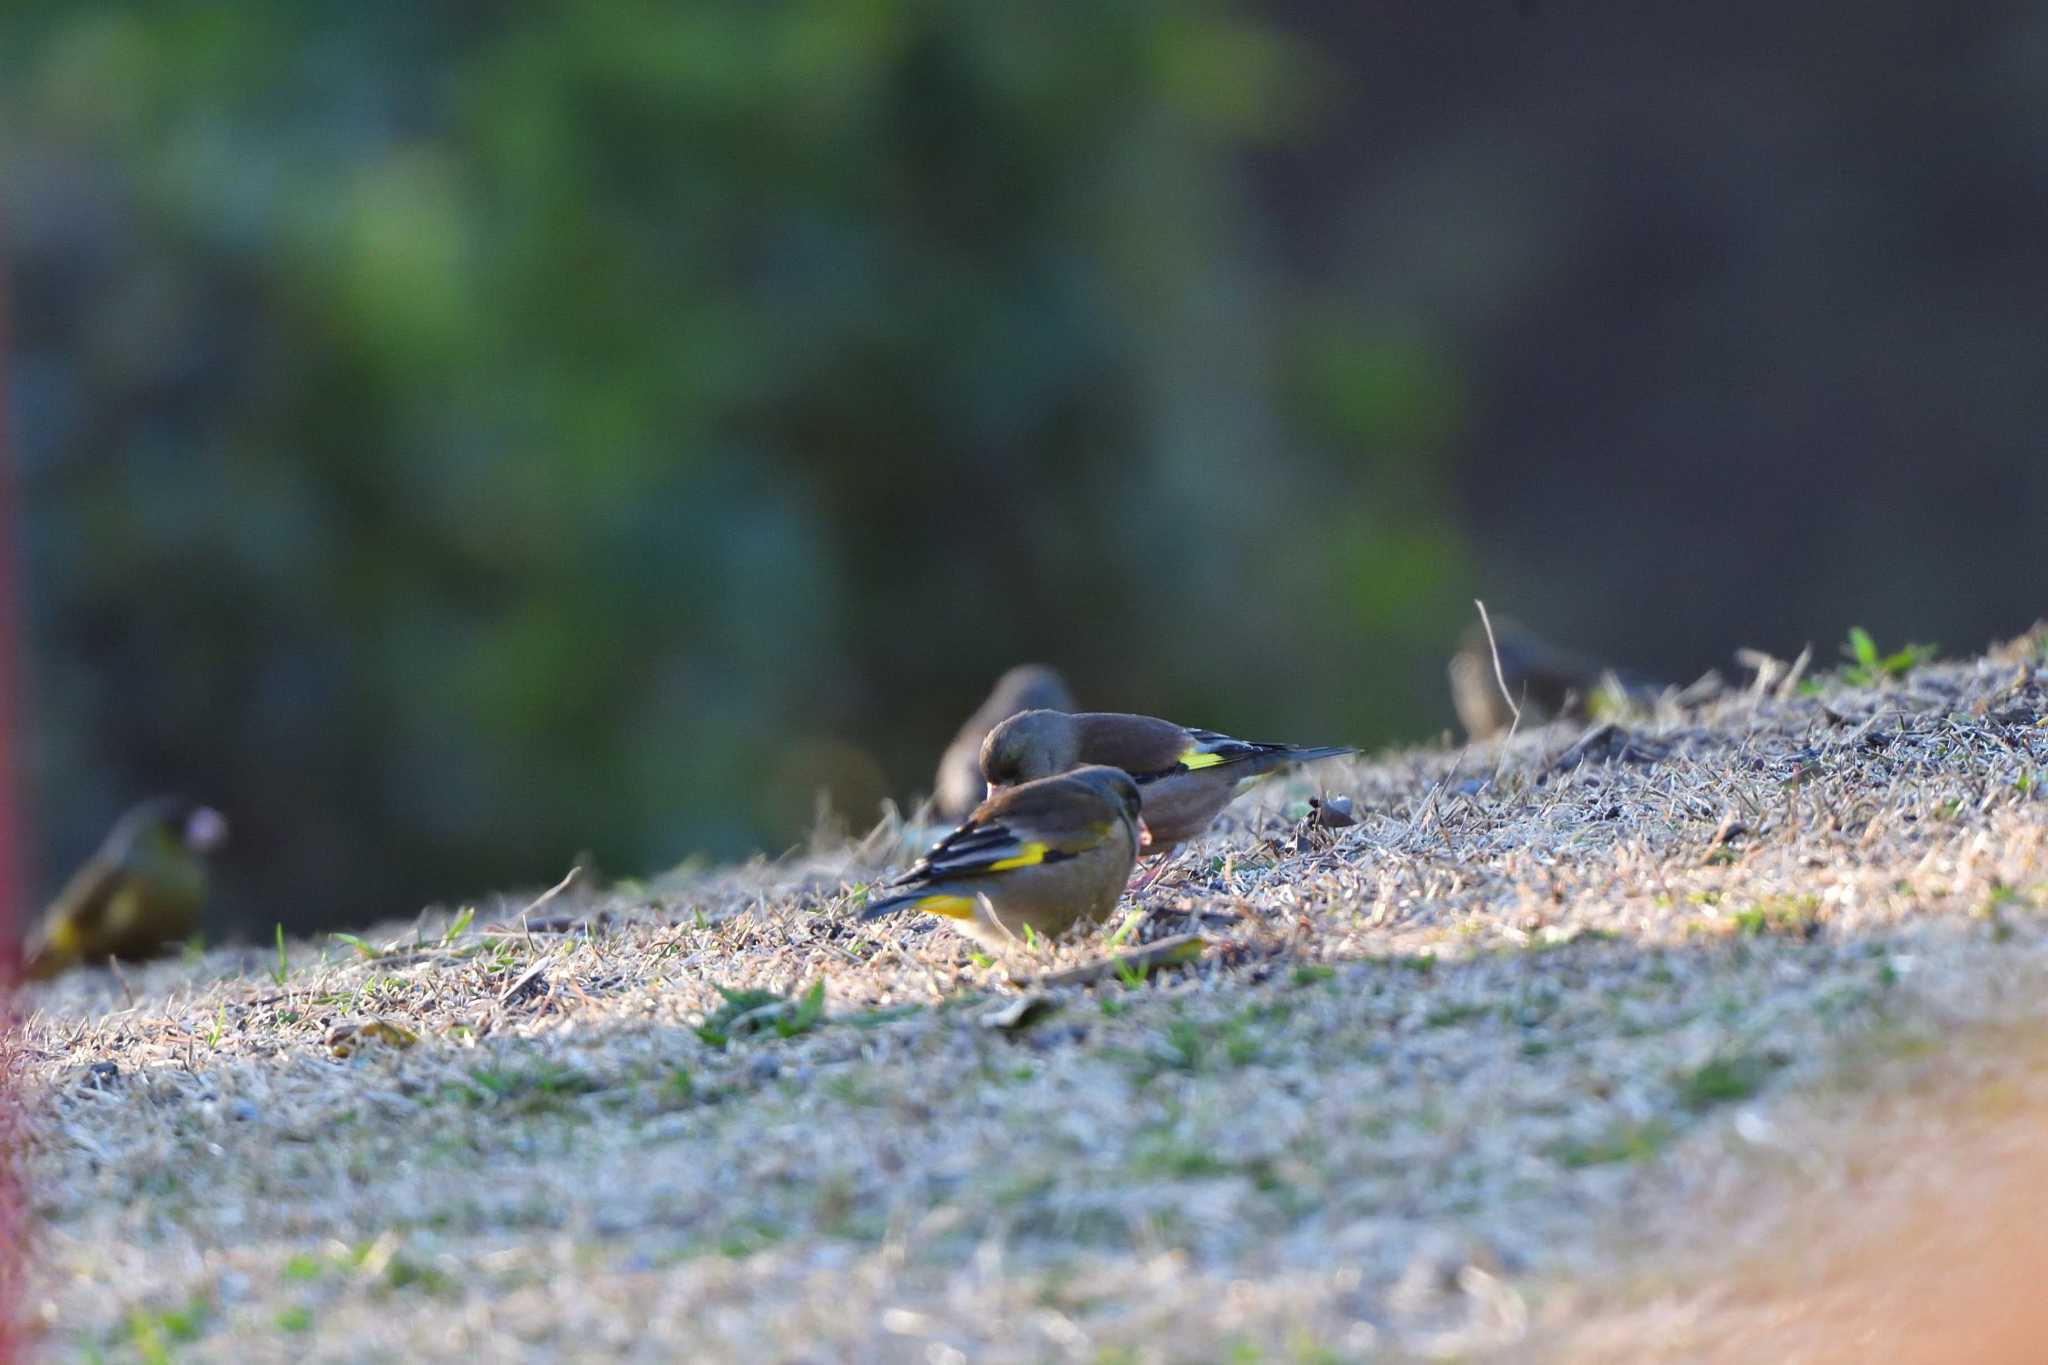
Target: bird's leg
1151,875
988,912
1147,845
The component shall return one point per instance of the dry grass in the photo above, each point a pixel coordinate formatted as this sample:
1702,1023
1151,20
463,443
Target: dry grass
1441,1078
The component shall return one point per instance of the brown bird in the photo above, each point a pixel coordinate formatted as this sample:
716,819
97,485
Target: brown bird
1186,776
1546,682
959,788
1042,857
141,890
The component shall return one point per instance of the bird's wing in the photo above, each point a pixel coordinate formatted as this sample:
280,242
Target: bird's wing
1211,749
1245,759
1028,826
1143,746
1039,822
1150,749
981,848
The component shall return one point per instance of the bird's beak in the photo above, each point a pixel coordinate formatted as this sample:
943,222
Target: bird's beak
1144,833
206,829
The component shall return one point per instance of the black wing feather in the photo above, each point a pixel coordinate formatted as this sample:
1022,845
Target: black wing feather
968,851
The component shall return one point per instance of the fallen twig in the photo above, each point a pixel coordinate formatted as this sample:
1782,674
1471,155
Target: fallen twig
1167,952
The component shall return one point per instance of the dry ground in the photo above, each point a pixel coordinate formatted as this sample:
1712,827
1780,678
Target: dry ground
1623,1049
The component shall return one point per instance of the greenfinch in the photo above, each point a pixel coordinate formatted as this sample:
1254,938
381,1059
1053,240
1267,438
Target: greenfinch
1546,682
141,890
1186,776
1041,856
959,788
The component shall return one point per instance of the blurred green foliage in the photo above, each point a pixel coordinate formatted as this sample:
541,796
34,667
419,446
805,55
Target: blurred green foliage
454,437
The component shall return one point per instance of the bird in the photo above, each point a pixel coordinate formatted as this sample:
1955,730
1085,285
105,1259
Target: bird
1032,861
140,890
1545,681
1186,776
958,787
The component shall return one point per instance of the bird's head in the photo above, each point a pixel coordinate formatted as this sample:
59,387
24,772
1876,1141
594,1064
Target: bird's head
1030,687
169,823
1028,746
1115,786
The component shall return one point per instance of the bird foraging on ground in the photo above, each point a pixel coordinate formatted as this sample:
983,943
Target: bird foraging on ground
1545,681
959,788
1042,856
1186,776
141,890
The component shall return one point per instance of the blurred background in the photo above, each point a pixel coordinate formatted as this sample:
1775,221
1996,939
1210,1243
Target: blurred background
450,438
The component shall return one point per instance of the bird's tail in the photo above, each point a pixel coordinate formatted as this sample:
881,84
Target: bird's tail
1293,755
51,949
950,904
1272,758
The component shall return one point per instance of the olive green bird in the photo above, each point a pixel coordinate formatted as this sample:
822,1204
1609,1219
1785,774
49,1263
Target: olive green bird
1042,856
1186,776
1546,681
141,890
958,787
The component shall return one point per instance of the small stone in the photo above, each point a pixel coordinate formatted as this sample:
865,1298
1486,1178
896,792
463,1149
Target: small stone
243,1111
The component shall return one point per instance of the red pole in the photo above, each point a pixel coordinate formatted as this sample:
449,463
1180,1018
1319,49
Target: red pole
13,915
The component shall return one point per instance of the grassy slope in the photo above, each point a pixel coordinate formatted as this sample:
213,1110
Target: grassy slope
1449,1079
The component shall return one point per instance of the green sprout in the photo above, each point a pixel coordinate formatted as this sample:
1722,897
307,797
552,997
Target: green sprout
1868,666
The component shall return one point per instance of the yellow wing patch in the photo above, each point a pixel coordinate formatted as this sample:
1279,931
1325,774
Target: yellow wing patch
1026,856
1193,758
951,907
